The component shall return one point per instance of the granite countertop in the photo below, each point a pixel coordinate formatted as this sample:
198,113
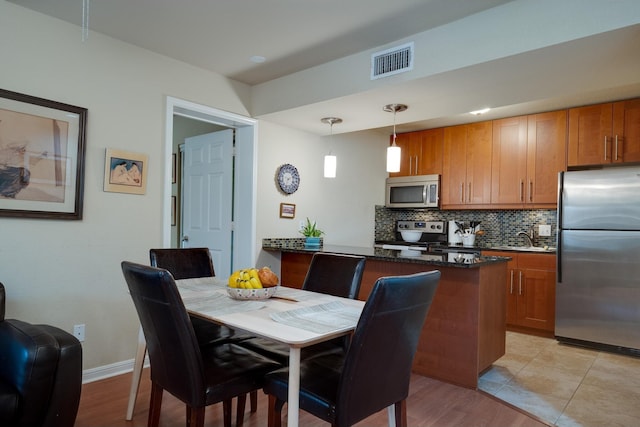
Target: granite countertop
451,259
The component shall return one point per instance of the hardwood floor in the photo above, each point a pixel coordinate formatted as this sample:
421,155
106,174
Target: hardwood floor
430,403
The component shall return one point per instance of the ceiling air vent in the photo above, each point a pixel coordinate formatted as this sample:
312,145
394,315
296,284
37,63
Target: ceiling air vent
392,61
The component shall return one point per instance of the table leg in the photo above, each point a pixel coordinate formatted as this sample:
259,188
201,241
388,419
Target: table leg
391,413
293,410
137,373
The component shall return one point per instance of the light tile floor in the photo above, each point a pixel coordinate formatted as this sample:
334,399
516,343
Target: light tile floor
564,385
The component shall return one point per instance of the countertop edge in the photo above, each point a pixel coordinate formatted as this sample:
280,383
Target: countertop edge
383,255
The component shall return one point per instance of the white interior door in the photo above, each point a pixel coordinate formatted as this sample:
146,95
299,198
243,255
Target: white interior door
208,197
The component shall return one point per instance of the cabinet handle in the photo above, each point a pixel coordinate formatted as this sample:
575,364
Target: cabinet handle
462,192
520,283
616,150
605,148
521,191
416,165
410,166
469,195
530,190
511,284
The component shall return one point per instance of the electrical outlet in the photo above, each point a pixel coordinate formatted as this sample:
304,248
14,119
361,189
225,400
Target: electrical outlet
78,332
544,230
302,224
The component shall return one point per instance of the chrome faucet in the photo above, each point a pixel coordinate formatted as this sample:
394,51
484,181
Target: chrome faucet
529,235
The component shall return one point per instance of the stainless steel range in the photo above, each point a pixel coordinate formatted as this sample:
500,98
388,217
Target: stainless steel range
427,236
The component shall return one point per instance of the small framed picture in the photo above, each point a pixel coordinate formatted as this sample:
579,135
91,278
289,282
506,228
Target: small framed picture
173,210
174,168
287,210
125,172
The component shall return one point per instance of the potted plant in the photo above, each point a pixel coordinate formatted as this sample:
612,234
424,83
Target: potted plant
312,234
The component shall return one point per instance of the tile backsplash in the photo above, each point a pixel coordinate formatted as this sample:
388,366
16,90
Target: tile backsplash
500,226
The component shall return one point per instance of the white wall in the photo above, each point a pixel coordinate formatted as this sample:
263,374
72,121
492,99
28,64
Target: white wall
343,207
68,272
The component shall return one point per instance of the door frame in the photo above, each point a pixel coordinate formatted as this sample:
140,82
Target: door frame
245,178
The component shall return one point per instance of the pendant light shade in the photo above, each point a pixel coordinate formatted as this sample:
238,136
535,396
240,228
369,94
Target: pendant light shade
393,158
330,163
393,151
330,160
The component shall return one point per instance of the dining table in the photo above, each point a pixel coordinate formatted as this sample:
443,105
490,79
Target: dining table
294,317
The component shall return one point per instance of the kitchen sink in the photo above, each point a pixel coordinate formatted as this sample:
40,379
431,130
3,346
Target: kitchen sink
524,248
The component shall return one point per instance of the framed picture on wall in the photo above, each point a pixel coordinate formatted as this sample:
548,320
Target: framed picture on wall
287,210
173,210
42,145
125,172
174,168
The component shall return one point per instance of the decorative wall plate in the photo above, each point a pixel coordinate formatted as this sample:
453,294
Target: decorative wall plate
288,178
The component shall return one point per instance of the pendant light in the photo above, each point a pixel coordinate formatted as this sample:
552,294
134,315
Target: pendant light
393,151
330,160
85,20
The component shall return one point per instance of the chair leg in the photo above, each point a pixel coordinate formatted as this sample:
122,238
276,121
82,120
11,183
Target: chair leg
226,412
242,400
401,413
274,418
195,416
253,399
155,405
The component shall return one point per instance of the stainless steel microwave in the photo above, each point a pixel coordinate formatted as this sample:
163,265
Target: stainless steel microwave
418,191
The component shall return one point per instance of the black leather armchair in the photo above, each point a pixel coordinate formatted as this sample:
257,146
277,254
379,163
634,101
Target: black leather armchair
40,374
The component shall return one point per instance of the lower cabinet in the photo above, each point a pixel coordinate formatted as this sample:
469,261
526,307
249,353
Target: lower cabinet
464,332
531,292
294,268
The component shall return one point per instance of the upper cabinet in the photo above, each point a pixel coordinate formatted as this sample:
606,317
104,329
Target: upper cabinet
513,163
528,153
432,146
421,152
509,161
604,133
466,166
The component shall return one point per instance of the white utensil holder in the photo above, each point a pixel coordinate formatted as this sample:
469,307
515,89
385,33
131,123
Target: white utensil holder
468,240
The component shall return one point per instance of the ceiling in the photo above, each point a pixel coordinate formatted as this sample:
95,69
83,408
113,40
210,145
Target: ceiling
295,35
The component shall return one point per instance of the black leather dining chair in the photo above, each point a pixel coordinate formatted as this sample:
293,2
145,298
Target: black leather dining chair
334,274
190,263
197,375
375,371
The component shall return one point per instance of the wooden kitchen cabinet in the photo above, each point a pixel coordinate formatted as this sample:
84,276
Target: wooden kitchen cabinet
464,332
528,152
509,161
432,146
421,152
604,133
294,268
466,166
531,292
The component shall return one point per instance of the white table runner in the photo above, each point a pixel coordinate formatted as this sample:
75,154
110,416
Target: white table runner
320,318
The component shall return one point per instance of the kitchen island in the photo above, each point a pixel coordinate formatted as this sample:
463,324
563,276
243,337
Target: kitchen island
464,332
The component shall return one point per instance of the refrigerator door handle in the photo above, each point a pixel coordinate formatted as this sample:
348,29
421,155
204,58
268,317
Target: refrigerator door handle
559,258
559,230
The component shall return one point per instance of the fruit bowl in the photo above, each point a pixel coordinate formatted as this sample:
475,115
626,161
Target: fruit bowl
262,293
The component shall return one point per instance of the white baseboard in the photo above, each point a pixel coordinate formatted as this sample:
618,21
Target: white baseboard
108,371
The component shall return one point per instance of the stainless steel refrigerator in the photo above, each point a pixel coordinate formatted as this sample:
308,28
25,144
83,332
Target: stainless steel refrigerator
598,287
